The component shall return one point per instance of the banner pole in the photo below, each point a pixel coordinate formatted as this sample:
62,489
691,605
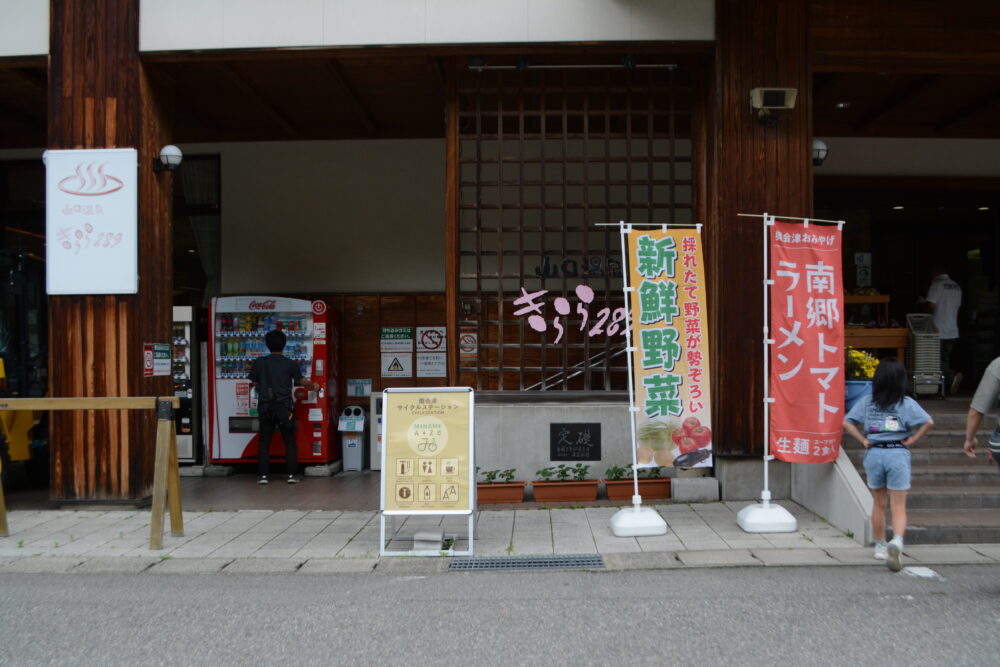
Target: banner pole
765,517
635,521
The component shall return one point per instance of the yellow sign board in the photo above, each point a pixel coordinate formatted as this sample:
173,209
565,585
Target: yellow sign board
427,455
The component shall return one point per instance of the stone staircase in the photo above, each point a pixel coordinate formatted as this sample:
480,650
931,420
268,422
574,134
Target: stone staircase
952,498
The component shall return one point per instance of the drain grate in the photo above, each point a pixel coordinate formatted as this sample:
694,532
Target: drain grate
590,561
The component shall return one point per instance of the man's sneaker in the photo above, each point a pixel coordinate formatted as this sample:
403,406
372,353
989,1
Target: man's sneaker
895,548
292,479
262,479
881,551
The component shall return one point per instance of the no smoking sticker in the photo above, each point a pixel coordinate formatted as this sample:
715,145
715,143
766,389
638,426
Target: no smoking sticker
432,339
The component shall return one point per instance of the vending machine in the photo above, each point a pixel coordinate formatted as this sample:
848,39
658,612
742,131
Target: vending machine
185,372
237,327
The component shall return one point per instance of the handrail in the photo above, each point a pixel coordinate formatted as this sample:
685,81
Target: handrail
581,365
166,473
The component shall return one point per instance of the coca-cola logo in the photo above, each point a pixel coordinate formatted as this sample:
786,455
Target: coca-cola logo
263,305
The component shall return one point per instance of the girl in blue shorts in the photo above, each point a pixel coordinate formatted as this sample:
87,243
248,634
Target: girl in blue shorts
887,423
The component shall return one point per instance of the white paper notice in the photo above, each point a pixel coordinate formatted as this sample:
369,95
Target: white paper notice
315,415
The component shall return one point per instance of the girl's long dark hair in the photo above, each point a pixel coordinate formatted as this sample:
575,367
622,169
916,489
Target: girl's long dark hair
889,383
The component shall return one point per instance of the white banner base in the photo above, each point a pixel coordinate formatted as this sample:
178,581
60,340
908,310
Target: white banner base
638,521
766,518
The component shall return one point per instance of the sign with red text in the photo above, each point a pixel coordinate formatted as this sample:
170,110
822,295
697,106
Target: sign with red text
156,358
807,354
91,212
671,360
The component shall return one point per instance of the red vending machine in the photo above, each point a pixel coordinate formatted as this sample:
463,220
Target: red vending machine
237,327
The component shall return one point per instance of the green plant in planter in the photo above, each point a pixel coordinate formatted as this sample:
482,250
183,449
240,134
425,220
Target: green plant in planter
546,474
616,472
653,473
494,476
563,473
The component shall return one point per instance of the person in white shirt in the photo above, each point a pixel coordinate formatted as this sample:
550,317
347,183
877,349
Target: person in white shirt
944,297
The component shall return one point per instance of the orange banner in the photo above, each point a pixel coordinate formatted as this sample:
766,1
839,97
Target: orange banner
807,355
670,335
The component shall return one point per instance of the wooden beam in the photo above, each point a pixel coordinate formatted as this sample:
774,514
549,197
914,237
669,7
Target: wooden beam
367,117
983,102
34,77
823,81
915,88
164,81
253,92
87,403
22,118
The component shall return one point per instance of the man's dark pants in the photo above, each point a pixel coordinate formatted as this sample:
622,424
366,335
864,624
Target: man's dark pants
277,417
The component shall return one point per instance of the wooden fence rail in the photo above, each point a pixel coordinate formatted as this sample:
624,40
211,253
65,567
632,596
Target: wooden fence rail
166,474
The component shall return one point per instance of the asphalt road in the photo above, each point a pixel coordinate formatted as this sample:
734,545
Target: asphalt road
739,616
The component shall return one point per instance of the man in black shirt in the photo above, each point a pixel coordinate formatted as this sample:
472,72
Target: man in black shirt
273,376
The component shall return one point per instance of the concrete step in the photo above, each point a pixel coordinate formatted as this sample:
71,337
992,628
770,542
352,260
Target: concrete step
950,497
943,526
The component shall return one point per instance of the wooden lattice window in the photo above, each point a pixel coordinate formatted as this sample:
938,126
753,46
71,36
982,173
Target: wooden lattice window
544,157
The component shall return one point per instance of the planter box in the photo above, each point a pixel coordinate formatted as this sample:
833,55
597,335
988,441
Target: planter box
569,491
500,492
621,489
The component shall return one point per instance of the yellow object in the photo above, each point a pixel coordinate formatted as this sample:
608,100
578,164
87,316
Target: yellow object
859,365
16,427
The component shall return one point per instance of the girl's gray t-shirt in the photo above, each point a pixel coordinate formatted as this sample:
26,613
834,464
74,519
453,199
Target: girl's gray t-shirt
892,425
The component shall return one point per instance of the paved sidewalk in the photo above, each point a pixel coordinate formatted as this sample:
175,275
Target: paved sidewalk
700,535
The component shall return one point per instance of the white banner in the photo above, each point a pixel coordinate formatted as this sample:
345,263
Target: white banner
91,221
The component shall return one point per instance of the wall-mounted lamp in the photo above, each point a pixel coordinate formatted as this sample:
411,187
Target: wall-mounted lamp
765,101
360,309
170,158
820,151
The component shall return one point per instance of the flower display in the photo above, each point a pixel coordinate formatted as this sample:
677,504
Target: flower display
858,364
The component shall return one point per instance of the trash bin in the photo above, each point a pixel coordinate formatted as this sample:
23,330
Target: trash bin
352,437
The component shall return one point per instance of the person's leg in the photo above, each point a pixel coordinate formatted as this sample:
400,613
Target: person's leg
898,482
264,445
946,369
897,500
878,515
875,472
894,549
291,450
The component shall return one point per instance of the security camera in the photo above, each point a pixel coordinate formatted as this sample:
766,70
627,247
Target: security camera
772,99
768,100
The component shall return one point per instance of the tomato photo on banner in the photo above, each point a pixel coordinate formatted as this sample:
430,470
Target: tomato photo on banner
670,336
807,354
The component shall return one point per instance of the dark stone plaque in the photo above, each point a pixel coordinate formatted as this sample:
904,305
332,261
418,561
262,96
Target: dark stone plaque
575,442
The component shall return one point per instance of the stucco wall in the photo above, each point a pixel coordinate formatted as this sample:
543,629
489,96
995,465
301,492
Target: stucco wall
168,25
332,216
24,27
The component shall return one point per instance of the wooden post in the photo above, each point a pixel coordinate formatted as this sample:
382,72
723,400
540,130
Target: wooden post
100,97
174,488
166,477
4,530
755,169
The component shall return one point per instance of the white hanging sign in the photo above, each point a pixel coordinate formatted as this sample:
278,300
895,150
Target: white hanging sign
91,221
